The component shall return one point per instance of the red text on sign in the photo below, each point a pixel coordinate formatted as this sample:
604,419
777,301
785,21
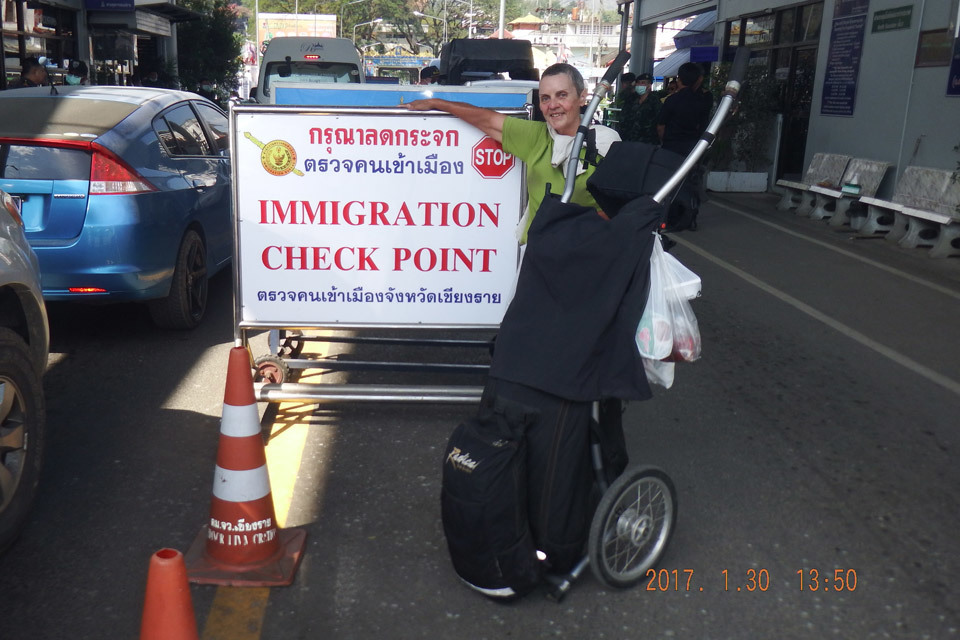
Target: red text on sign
319,258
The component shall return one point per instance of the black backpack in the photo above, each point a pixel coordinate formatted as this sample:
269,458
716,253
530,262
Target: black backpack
484,502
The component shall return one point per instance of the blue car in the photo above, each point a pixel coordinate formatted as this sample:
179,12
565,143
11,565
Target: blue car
125,193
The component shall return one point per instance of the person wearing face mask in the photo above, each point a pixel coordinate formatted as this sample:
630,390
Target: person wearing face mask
543,146
627,82
208,90
638,116
76,73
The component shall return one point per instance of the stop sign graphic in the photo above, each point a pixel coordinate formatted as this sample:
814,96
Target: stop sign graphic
490,160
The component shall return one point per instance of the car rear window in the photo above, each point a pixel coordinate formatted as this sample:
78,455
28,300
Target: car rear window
181,132
52,116
312,72
25,162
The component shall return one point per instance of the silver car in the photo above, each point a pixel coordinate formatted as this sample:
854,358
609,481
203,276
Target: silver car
24,345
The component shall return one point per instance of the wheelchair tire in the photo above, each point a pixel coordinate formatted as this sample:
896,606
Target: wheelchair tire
632,526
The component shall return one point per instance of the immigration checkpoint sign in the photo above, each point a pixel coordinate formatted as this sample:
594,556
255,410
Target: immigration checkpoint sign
371,218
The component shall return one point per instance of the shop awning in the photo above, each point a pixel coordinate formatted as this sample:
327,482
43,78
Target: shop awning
669,66
170,11
698,33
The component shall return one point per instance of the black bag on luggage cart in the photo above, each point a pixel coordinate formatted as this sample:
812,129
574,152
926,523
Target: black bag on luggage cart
484,502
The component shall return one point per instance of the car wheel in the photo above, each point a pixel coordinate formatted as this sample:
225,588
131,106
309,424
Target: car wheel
184,307
22,420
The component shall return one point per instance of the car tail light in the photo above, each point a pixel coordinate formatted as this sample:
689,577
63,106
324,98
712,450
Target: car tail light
311,56
111,175
12,206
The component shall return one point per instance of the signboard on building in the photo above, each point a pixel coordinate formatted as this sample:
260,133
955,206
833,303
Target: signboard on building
110,5
892,19
280,25
843,60
365,219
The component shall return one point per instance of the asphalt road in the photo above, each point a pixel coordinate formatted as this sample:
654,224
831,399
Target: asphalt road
816,433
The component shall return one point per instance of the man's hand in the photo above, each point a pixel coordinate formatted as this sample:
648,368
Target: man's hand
426,104
487,120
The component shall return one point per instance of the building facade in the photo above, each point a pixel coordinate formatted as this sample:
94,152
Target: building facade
114,37
877,79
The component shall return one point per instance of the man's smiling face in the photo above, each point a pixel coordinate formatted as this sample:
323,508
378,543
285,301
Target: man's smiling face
561,103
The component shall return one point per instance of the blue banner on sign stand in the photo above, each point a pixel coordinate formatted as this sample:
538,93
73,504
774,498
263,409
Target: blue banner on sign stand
953,80
356,95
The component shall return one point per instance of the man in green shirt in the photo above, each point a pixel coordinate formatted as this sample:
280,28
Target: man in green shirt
544,147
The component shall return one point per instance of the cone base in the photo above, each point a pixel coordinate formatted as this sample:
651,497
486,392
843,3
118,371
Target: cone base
276,572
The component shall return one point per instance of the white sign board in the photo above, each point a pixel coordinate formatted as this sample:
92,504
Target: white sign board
365,219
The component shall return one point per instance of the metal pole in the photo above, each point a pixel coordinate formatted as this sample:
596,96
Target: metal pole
502,2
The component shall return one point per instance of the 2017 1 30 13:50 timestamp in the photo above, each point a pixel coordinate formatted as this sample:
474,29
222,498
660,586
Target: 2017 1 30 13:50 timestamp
751,580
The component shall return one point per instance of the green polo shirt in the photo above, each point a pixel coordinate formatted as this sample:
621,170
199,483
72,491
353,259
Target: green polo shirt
529,141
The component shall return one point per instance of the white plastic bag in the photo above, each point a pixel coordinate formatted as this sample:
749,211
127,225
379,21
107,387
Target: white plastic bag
659,372
668,329
654,332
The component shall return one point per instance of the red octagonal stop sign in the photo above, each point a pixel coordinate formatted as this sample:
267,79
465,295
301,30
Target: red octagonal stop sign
490,160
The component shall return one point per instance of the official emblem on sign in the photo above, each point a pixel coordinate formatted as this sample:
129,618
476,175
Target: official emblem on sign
278,157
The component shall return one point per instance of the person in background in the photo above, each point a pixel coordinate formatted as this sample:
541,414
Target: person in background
76,73
428,75
638,115
683,118
32,74
625,91
208,89
686,113
151,79
669,90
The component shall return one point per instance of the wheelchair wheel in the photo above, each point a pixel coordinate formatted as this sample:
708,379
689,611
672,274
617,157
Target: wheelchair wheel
632,526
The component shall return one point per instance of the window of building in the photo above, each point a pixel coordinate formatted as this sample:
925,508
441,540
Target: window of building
787,28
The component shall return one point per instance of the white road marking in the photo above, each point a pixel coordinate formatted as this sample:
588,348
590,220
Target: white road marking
873,263
937,378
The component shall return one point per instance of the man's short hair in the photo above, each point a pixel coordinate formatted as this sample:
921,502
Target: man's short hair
29,65
628,77
78,68
689,73
562,68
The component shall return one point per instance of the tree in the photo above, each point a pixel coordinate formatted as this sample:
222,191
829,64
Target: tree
209,48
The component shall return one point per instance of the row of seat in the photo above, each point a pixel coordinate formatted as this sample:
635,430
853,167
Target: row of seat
923,212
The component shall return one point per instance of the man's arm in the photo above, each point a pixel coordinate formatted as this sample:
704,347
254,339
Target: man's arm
487,120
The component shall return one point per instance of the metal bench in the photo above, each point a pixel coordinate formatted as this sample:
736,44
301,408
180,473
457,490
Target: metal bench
861,178
923,212
826,169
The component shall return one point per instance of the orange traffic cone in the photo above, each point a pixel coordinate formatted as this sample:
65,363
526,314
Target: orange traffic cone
167,607
242,545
